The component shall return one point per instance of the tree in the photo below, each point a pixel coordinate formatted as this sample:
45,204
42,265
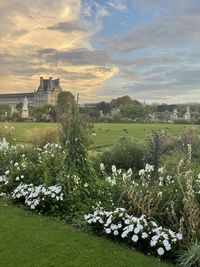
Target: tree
121,101
133,111
5,111
104,107
43,113
19,107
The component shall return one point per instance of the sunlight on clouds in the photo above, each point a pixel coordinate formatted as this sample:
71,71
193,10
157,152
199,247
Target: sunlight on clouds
35,27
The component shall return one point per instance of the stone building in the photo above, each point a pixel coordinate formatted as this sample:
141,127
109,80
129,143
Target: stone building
47,93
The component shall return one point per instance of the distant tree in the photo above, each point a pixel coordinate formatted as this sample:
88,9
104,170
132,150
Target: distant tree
43,113
165,107
5,111
133,111
121,101
19,107
104,107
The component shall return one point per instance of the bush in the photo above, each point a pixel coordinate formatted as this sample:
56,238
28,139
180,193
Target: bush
155,150
126,153
40,138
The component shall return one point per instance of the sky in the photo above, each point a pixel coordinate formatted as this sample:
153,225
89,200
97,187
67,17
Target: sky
103,49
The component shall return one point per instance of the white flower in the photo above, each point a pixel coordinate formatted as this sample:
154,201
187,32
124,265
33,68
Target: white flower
114,169
127,221
113,227
86,185
102,167
153,243
161,170
141,172
17,178
160,251
7,172
116,232
108,230
136,230
168,247
119,225
179,236
135,238
144,235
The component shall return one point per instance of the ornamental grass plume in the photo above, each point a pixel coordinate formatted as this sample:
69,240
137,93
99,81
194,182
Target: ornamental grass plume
190,257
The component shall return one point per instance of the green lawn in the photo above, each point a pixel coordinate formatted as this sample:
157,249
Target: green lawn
106,133
29,240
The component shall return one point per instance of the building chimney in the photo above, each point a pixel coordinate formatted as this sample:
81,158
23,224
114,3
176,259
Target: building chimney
50,83
41,83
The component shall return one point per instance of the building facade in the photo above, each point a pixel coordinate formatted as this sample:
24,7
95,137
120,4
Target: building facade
47,93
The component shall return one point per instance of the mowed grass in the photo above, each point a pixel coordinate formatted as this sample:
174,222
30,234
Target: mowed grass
106,133
30,240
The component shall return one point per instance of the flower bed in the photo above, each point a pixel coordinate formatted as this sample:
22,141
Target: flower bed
136,231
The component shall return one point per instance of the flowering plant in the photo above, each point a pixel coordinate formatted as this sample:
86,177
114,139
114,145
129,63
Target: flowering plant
39,197
134,230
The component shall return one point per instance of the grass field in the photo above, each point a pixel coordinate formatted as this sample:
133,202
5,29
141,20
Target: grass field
29,240
106,133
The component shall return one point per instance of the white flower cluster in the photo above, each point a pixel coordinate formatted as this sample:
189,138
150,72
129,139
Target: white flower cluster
134,229
51,150
3,181
118,176
147,170
4,145
35,195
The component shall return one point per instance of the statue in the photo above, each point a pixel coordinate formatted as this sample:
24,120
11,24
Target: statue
25,108
187,115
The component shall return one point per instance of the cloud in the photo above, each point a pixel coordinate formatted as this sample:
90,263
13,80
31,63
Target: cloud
118,4
67,27
79,56
53,41
169,31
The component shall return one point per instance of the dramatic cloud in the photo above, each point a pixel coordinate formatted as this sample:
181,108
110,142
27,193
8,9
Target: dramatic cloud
103,48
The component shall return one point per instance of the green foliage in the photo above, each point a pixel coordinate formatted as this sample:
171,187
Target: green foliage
134,111
155,149
191,256
64,102
121,101
43,113
5,112
77,175
16,116
126,153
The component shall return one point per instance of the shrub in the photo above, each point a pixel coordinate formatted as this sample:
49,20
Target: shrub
155,150
126,153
